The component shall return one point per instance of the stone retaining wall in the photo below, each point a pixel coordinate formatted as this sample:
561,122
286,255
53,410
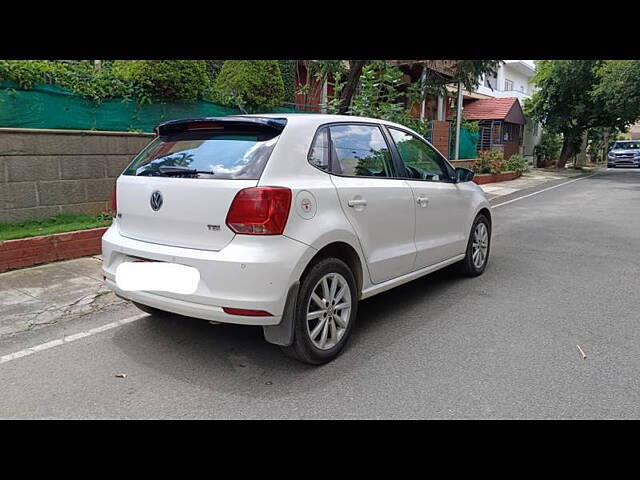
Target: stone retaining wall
47,172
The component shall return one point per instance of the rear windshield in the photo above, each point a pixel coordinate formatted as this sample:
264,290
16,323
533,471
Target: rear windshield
232,155
627,146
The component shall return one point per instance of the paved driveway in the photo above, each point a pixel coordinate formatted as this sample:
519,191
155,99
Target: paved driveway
564,271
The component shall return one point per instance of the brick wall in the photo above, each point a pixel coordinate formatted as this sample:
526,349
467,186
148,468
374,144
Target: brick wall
48,248
511,148
47,172
440,137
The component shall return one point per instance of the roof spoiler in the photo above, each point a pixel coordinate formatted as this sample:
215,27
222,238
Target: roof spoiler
273,125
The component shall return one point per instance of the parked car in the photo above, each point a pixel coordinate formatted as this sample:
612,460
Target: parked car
287,221
624,153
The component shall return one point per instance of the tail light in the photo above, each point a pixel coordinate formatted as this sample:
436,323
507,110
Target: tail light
260,211
114,201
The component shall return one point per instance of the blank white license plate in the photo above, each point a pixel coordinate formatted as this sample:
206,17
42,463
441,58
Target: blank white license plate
157,276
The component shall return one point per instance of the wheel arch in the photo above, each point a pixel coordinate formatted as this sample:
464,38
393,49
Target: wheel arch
486,211
345,252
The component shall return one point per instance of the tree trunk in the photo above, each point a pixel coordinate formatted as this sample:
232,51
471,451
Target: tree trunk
605,146
581,160
355,69
567,151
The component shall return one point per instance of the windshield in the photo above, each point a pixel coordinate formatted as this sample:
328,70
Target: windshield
626,146
205,154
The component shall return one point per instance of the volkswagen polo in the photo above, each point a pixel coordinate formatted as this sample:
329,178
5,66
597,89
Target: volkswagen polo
287,221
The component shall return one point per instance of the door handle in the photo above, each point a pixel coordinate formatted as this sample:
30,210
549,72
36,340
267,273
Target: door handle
357,203
422,201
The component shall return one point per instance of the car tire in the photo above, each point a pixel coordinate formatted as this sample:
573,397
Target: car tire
156,312
470,266
313,324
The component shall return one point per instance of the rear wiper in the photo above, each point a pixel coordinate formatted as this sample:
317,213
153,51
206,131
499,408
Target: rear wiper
176,170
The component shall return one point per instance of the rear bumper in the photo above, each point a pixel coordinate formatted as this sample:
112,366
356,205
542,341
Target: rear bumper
252,273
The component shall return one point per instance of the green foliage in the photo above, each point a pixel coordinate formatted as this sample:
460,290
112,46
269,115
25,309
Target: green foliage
516,163
492,161
576,96
26,73
79,77
58,224
470,125
141,80
469,71
563,103
549,145
252,85
164,80
213,68
379,93
489,161
288,71
617,93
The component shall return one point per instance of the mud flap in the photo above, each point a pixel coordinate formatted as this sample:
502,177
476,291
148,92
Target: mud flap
282,334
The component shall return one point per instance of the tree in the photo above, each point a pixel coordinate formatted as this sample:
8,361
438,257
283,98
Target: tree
468,72
349,89
617,95
165,80
564,102
254,85
320,71
579,96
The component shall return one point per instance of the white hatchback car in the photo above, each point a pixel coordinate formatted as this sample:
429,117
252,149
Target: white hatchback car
287,221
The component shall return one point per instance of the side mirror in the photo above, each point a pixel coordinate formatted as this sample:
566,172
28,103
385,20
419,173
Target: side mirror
464,174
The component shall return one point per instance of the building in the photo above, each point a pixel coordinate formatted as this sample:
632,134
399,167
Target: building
501,122
513,79
634,131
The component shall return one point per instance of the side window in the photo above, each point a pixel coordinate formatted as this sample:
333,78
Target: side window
319,153
360,151
421,161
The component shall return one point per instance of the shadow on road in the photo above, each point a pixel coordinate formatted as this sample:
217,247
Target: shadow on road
238,359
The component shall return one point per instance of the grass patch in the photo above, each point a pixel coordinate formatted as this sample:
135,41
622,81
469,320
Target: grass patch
58,224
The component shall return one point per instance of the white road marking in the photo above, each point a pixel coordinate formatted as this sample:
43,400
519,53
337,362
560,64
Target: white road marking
541,191
70,338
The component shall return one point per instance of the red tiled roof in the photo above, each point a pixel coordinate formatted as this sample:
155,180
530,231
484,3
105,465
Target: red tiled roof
489,108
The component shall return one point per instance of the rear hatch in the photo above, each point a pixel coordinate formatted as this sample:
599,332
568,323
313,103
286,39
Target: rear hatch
178,190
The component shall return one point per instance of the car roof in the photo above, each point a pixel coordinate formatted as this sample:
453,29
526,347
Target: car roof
318,118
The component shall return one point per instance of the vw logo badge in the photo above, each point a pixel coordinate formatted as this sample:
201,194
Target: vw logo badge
156,201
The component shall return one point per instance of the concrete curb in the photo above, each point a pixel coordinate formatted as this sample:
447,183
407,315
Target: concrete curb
25,252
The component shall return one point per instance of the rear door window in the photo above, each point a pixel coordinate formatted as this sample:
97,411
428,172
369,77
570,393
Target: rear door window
235,155
360,151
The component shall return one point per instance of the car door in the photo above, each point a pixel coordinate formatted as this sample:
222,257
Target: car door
378,206
441,207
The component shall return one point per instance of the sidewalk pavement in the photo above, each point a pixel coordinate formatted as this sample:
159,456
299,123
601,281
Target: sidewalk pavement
51,293
60,291
532,179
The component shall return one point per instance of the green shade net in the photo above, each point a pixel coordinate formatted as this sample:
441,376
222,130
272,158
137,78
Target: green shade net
468,144
50,106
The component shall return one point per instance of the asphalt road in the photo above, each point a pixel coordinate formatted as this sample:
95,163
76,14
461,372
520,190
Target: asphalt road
564,271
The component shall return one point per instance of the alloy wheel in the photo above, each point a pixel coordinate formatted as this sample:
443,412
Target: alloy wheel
328,311
480,245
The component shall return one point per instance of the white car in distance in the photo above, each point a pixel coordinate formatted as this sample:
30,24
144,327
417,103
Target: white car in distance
287,221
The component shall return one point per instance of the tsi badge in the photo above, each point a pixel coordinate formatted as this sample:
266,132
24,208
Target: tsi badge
306,205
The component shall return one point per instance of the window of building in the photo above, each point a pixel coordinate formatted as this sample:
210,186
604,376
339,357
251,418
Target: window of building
508,84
